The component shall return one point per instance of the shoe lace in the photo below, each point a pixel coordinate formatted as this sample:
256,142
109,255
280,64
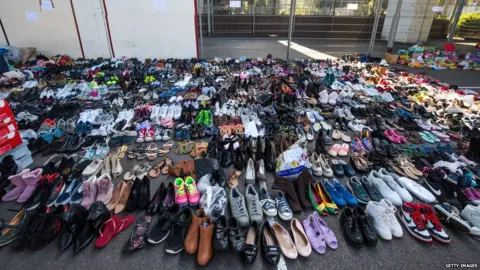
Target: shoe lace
283,206
255,209
240,206
433,219
103,188
388,216
192,189
417,218
88,191
180,191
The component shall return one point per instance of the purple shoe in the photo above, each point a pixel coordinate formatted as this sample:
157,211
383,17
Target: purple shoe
30,179
169,197
20,186
330,238
314,234
471,195
476,193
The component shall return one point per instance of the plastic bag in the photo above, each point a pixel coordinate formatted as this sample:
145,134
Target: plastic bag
13,53
291,163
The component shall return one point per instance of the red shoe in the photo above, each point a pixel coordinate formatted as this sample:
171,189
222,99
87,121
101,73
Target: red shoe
112,227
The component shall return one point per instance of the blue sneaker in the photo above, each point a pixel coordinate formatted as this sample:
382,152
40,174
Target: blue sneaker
349,198
284,210
77,195
64,197
186,133
334,194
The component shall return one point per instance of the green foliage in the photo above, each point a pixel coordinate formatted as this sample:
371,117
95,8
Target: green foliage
466,20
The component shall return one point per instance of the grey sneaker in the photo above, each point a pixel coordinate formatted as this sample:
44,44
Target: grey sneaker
239,210
253,204
268,205
284,210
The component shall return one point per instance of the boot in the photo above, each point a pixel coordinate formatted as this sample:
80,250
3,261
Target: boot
7,167
20,186
191,240
30,180
205,249
301,187
286,185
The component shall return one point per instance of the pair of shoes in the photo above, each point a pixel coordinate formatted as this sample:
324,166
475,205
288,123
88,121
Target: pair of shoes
97,189
319,234
172,225
120,196
112,227
199,237
112,166
422,223
139,194
357,228
71,195
383,219
46,192
163,198
186,192
321,201
339,193
123,138
25,183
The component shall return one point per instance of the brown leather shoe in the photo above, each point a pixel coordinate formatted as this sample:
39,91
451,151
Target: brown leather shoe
205,249
191,240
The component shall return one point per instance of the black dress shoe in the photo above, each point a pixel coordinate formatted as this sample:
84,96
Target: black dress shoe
235,236
98,214
51,227
337,168
220,240
369,234
156,202
351,228
133,199
250,252
75,219
270,249
144,197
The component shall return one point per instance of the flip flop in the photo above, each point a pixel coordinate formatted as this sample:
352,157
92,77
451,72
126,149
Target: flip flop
111,228
425,137
168,163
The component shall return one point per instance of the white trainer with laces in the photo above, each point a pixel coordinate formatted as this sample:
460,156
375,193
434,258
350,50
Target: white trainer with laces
389,215
376,211
389,178
384,189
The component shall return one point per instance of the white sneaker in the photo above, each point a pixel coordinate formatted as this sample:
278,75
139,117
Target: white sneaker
416,189
338,112
389,178
154,112
311,117
384,189
245,117
332,98
380,219
356,126
177,112
217,109
162,113
451,215
392,222
471,214
171,112
348,114
323,99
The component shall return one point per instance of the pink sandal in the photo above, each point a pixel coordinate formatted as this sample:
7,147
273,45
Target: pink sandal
391,137
343,150
334,150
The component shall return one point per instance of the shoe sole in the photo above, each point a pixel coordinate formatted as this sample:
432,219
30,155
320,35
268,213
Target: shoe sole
270,214
351,191
157,242
285,218
400,216
453,222
169,251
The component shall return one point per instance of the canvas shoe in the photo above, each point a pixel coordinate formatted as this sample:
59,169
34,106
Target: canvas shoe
284,210
267,203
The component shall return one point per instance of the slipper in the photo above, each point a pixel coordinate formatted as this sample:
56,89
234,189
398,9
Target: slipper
433,137
131,174
168,163
343,151
345,137
334,150
166,148
112,227
336,135
425,137
325,125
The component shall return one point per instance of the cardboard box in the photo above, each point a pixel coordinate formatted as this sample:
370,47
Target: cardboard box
391,58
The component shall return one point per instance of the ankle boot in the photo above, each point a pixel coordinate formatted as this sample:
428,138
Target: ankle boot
191,240
301,187
30,179
20,186
286,185
205,249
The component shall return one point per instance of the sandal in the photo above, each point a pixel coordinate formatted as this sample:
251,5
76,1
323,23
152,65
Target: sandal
152,151
141,152
168,163
201,149
157,169
233,179
165,148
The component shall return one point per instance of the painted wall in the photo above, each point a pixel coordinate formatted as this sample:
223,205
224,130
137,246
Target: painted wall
137,28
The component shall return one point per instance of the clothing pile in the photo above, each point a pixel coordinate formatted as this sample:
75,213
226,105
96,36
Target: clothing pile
267,137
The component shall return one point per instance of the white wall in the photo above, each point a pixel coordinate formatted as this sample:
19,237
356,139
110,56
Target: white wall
137,29
54,32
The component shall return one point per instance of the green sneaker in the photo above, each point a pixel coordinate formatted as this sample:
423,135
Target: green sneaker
200,117
207,118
